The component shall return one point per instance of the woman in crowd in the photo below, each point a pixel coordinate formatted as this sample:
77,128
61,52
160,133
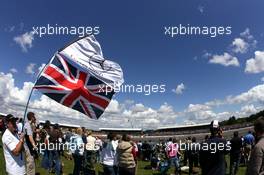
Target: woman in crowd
108,155
77,154
125,158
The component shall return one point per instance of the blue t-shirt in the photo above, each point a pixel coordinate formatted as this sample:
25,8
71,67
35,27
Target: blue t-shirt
249,139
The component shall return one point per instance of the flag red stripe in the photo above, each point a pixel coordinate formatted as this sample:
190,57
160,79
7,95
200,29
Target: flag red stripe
59,77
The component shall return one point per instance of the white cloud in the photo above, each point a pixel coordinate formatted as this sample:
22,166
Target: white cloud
248,109
25,41
138,108
226,60
246,34
201,8
255,94
199,112
13,100
12,94
249,38
240,45
205,112
30,69
179,89
13,70
206,54
114,107
165,108
197,107
40,68
129,102
256,64
243,43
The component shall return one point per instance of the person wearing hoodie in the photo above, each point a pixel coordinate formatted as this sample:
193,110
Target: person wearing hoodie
125,159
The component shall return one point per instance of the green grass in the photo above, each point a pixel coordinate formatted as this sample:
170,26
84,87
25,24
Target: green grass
68,167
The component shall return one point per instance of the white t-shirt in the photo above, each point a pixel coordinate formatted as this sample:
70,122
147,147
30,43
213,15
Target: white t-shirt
19,127
14,164
90,143
76,144
28,129
108,155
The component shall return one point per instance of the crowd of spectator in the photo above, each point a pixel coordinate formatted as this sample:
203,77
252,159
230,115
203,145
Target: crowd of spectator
25,141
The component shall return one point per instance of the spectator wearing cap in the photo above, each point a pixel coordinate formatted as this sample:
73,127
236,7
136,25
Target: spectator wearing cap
256,163
13,148
217,164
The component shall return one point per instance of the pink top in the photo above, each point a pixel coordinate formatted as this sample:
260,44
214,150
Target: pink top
172,150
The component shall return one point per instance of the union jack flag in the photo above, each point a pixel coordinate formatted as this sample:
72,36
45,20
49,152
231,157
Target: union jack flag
73,87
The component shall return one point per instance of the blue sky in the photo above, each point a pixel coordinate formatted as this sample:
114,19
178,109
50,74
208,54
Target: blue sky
132,34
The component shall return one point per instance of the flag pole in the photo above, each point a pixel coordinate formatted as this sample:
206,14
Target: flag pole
31,92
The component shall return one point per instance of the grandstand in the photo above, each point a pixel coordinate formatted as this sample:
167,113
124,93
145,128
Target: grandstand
64,126
180,132
182,129
133,131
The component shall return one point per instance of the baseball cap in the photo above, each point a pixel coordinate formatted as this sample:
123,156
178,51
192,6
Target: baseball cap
215,124
10,118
